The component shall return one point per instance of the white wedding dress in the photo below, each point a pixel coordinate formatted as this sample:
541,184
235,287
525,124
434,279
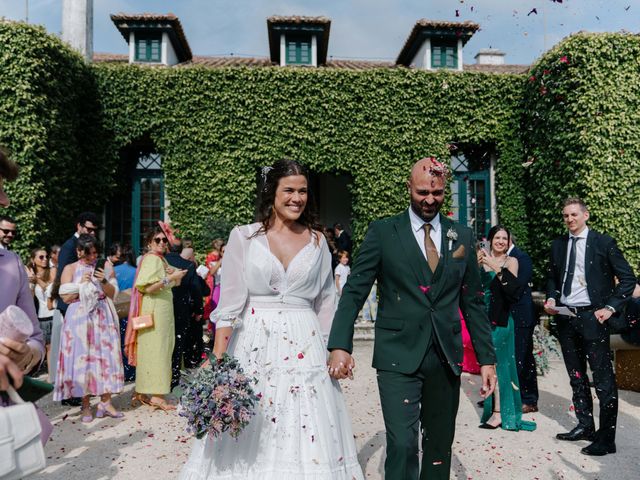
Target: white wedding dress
301,429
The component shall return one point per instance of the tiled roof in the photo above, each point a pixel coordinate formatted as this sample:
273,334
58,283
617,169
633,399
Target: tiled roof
357,65
474,67
277,24
165,21
463,30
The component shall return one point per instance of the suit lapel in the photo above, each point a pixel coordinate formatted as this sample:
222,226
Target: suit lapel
445,255
412,250
589,254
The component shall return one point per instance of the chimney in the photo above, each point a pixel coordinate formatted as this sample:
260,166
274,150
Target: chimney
490,56
77,26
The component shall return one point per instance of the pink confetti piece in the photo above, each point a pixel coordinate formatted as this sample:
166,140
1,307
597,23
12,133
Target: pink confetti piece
300,356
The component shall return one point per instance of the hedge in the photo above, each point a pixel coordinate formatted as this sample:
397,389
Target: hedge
581,130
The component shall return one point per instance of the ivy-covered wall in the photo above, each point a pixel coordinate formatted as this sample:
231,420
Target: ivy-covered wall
581,129
50,121
214,127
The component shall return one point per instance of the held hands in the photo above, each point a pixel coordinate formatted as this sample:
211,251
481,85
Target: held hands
341,364
489,379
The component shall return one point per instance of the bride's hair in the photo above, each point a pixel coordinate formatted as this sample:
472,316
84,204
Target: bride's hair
271,177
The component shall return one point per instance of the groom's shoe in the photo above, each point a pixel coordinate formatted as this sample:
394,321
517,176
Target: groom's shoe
578,433
599,449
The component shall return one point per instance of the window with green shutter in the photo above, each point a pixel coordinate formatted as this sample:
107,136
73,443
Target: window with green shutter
148,48
444,55
298,50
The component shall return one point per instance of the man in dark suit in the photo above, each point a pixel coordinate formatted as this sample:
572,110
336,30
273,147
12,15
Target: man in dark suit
87,222
343,240
524,320
184,296
426,269
582,276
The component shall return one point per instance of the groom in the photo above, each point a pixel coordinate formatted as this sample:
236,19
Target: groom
426,269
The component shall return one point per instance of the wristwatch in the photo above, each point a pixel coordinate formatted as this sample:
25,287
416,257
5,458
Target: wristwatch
610,308
165,281
103,281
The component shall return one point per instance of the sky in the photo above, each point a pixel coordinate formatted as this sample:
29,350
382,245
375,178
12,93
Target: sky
360,29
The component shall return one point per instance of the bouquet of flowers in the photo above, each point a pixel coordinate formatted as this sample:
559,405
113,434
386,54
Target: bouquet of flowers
217,398
543,345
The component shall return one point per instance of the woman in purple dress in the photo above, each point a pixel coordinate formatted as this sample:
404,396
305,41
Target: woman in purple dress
90,362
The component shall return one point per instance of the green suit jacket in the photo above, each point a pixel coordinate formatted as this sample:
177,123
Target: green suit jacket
408,317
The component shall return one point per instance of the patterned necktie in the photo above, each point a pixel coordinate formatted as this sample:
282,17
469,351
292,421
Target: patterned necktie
430,248
566,289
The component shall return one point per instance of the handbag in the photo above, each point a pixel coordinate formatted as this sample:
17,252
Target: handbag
21,451
141,321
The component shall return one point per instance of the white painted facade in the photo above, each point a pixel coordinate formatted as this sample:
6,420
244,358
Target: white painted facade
422,59
77,26
168,54
314,51
490,56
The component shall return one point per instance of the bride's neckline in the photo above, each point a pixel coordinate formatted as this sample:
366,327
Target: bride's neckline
286,267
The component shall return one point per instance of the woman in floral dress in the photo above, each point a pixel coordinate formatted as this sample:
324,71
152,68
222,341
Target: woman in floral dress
90,361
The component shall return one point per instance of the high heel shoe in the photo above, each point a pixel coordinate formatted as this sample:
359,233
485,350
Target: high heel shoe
161,405
139,399
488,426
103,411
87,418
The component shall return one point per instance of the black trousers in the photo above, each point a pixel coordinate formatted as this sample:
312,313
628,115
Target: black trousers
577,349
179,349
526,365
428,398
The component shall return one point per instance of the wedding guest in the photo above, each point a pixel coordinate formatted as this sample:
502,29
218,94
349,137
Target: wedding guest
213,263
525,320
589,275
343,239
125,274
342,271
8,232
330,237
194,343
41,277
632,334
53,256
16,357
150,349
499,275
90,362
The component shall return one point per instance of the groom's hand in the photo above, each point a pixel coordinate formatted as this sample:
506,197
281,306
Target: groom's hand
340,364
489,379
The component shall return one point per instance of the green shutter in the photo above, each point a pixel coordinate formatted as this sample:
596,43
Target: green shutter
298,50
444,55
148,48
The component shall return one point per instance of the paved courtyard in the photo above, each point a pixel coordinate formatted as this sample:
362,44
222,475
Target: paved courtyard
153,444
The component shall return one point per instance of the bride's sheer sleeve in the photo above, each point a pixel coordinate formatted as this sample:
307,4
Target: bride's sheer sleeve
233,288
325,302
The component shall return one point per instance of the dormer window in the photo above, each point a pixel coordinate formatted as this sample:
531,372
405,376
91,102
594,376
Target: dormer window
301,41
148,48
298,50
444,55
153,38
434,45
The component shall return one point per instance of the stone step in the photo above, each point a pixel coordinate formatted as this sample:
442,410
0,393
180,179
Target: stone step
364,331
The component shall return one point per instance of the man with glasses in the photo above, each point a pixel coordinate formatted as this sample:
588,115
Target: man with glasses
87,222
7,232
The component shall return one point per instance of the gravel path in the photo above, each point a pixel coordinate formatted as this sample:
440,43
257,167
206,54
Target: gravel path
148,444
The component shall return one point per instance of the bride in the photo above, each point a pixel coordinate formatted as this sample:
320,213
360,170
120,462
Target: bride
276,307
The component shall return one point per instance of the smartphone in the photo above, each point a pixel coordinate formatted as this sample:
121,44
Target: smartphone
100,264
483,245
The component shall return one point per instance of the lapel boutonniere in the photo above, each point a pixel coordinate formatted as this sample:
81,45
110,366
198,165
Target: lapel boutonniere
452,235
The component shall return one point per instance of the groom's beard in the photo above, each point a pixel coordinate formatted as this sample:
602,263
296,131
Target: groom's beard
428,214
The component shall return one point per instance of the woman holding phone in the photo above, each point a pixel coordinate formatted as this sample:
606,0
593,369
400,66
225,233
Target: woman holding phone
89,362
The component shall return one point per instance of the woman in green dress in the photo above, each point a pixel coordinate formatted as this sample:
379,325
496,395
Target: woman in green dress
499,276
151,348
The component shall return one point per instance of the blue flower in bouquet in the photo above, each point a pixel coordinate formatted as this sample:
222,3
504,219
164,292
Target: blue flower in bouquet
217,398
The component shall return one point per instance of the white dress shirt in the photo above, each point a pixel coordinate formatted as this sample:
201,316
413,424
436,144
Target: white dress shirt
418,231
579,296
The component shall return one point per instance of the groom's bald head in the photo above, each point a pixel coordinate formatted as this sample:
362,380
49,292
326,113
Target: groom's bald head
426,186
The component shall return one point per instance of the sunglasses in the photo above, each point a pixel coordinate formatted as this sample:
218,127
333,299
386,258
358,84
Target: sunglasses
90,229
160,239
42,257
8,231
